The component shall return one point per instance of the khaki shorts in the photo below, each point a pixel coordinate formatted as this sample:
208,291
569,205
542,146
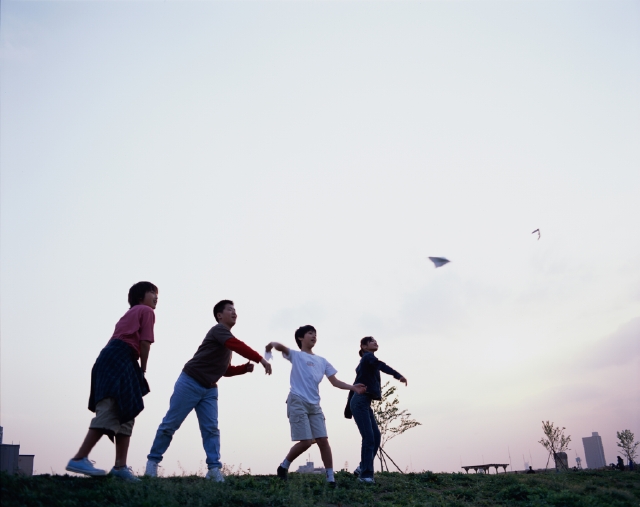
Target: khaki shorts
306,419
107,418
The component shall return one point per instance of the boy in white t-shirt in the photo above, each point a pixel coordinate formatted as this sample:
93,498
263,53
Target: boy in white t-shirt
303,404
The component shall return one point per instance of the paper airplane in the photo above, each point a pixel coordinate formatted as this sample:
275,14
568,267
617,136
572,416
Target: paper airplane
439,261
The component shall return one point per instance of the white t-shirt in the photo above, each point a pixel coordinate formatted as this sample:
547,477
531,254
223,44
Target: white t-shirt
307,371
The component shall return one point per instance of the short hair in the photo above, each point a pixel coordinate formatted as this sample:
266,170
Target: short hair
365,341
220,306
138,291
301,331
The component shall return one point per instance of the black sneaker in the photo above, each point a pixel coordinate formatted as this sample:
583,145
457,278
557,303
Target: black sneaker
282,473
332,484
356,472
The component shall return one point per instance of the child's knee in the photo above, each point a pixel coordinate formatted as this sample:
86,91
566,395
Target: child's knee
322,442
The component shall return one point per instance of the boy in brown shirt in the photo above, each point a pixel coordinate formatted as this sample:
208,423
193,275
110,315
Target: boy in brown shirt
197,389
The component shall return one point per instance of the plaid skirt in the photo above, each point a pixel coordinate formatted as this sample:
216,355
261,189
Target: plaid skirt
117,374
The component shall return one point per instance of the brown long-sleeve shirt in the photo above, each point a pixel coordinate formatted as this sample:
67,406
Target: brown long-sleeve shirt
212,360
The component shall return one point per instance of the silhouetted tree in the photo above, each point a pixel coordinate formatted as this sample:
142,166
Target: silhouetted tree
628,446
391,420
554,441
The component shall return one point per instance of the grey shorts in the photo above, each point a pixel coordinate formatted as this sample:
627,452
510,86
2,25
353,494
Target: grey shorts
107,418
306,419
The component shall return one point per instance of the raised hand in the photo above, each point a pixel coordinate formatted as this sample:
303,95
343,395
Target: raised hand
249,367
403,380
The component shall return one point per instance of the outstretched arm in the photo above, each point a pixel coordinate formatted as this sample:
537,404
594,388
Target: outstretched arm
390,371
247,352
232,371
278,346
357,388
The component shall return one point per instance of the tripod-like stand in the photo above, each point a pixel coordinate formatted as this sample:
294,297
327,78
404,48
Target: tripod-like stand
383,455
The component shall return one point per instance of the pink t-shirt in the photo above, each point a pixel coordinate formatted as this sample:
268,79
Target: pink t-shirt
135,326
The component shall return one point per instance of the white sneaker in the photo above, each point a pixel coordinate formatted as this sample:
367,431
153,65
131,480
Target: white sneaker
151,469
356,472
124,473
85,466
215,474
366,480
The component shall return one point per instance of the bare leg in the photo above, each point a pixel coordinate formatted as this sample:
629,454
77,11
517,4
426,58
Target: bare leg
298,449
89,443
325,452
122,448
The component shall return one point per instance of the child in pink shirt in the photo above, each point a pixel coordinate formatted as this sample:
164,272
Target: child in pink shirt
118,383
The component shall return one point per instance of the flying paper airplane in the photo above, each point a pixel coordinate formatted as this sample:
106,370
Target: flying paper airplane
439,261
538,231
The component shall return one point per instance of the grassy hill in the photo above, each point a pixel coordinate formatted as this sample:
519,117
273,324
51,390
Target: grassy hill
571,489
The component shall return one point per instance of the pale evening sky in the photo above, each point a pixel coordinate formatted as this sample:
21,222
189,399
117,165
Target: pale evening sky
304,159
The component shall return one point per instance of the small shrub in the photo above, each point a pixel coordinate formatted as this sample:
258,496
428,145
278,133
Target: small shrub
616,498
566,499
463,494
429,477
516,492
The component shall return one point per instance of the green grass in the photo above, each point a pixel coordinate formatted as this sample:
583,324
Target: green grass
570,489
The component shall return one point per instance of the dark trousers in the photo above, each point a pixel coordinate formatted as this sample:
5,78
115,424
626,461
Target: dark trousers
368,427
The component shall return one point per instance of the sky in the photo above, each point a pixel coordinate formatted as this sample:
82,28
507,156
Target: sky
304,159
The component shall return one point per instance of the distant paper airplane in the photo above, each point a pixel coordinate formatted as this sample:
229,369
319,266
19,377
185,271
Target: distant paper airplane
439,261
538,231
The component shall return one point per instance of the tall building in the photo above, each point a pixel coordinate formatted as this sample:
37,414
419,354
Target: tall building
593,451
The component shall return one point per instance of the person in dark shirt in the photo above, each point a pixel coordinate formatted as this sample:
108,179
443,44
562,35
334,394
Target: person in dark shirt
197,388
359,405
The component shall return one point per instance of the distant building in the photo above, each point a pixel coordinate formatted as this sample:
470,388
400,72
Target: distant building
12,462
9,458
593,451
310,469
25,464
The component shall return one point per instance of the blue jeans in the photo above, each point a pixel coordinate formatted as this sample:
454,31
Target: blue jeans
368,427
187,395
